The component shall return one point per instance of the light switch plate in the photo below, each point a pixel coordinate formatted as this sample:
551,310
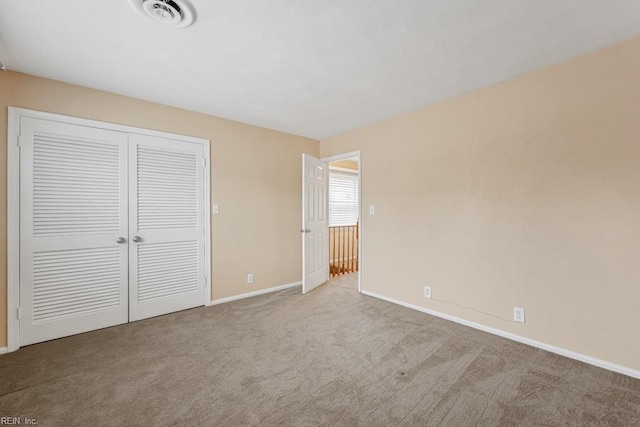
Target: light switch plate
216,209
372,210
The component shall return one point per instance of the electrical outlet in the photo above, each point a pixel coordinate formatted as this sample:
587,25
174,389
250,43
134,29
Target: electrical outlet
427,291
250,278
518,314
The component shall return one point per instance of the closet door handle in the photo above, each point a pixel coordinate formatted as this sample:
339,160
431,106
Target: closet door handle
121,240
137,239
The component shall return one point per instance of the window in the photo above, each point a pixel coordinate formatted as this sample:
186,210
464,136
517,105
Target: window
343,198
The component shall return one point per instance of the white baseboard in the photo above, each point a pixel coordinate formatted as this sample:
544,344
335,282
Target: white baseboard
255,293
4,350
541,345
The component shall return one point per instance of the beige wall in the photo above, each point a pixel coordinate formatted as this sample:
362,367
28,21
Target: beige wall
523,194
255,178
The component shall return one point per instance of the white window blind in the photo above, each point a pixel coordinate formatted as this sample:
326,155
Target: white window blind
343,198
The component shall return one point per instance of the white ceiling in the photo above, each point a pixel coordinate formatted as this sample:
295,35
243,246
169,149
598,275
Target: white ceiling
315,67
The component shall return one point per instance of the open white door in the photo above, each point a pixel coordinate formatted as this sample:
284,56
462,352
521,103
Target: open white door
315,238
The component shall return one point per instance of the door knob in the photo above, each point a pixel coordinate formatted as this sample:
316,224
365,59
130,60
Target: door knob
137,239
121,240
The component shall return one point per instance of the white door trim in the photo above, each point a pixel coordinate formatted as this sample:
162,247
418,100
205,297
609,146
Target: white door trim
345,156
13,229
13,203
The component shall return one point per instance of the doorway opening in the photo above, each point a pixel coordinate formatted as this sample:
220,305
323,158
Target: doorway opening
344,220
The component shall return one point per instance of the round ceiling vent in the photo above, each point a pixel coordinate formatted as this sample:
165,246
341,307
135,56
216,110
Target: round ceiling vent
172,13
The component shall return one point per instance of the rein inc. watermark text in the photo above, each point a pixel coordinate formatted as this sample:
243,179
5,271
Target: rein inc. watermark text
17,421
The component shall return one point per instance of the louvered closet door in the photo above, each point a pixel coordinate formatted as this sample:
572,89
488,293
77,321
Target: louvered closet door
73,208
166,226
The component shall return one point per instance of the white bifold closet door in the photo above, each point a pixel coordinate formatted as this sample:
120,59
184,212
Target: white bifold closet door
73,204
166,225
112,228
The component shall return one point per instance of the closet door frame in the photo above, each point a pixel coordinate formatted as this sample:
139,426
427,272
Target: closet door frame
13,205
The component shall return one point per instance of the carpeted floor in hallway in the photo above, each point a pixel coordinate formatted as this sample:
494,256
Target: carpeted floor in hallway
332,357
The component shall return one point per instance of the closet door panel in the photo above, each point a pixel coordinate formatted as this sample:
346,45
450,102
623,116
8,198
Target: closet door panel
166,221
73,209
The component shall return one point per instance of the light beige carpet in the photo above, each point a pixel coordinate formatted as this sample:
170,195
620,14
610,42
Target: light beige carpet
332,357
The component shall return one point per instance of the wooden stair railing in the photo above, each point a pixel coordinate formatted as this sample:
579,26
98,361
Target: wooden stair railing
343,249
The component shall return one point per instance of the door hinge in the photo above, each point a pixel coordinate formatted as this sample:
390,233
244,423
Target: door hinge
19,313
19,141
204,161
205,282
